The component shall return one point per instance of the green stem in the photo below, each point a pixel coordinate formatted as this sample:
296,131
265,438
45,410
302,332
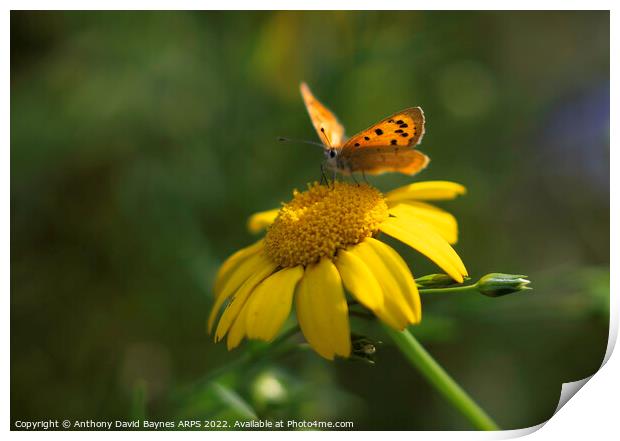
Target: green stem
461,289
440,379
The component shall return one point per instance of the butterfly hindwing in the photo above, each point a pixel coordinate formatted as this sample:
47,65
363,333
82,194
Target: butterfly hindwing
404,128
383,159
328,128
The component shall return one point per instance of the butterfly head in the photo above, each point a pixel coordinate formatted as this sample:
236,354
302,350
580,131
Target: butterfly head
331,157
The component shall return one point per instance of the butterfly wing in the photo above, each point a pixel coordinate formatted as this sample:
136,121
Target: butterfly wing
403,129
330,131
384,159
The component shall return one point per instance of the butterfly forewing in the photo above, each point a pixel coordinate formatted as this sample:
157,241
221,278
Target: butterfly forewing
330,131
404,128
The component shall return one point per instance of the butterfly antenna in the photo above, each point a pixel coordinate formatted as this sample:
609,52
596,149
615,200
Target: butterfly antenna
301,141
328,143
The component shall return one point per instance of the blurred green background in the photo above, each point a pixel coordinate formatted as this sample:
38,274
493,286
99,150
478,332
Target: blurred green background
141,142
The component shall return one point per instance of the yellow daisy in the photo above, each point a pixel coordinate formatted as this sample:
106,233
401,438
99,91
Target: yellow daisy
323,241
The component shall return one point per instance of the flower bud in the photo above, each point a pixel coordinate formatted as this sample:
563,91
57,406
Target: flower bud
435,281
499,284
363,348
269,389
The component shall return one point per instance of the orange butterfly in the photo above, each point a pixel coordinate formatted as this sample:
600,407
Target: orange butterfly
384,147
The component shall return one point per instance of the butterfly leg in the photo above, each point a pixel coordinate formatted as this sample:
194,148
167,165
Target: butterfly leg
355,180
324,176
364,175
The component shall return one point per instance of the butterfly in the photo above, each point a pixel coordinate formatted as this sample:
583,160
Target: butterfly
383,147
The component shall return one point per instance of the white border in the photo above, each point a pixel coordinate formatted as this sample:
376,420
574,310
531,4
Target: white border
325,5
594,414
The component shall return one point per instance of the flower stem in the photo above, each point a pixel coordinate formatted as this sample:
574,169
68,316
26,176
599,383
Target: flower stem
440,379
461,289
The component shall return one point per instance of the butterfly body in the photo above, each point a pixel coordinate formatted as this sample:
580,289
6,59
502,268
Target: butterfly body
383,147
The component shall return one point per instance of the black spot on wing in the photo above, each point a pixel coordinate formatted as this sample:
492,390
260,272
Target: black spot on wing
379,132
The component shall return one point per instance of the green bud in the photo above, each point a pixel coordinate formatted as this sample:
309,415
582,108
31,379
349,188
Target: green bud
498,284
436,281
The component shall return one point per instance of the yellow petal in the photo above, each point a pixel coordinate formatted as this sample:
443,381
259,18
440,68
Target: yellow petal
322,310
240,296
270,304
426,191
418,235
400,272
233,262
359,280
441,221
396,311
260,221
233,282
237,330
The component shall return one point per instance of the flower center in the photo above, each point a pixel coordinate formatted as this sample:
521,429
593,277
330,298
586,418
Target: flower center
320,221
